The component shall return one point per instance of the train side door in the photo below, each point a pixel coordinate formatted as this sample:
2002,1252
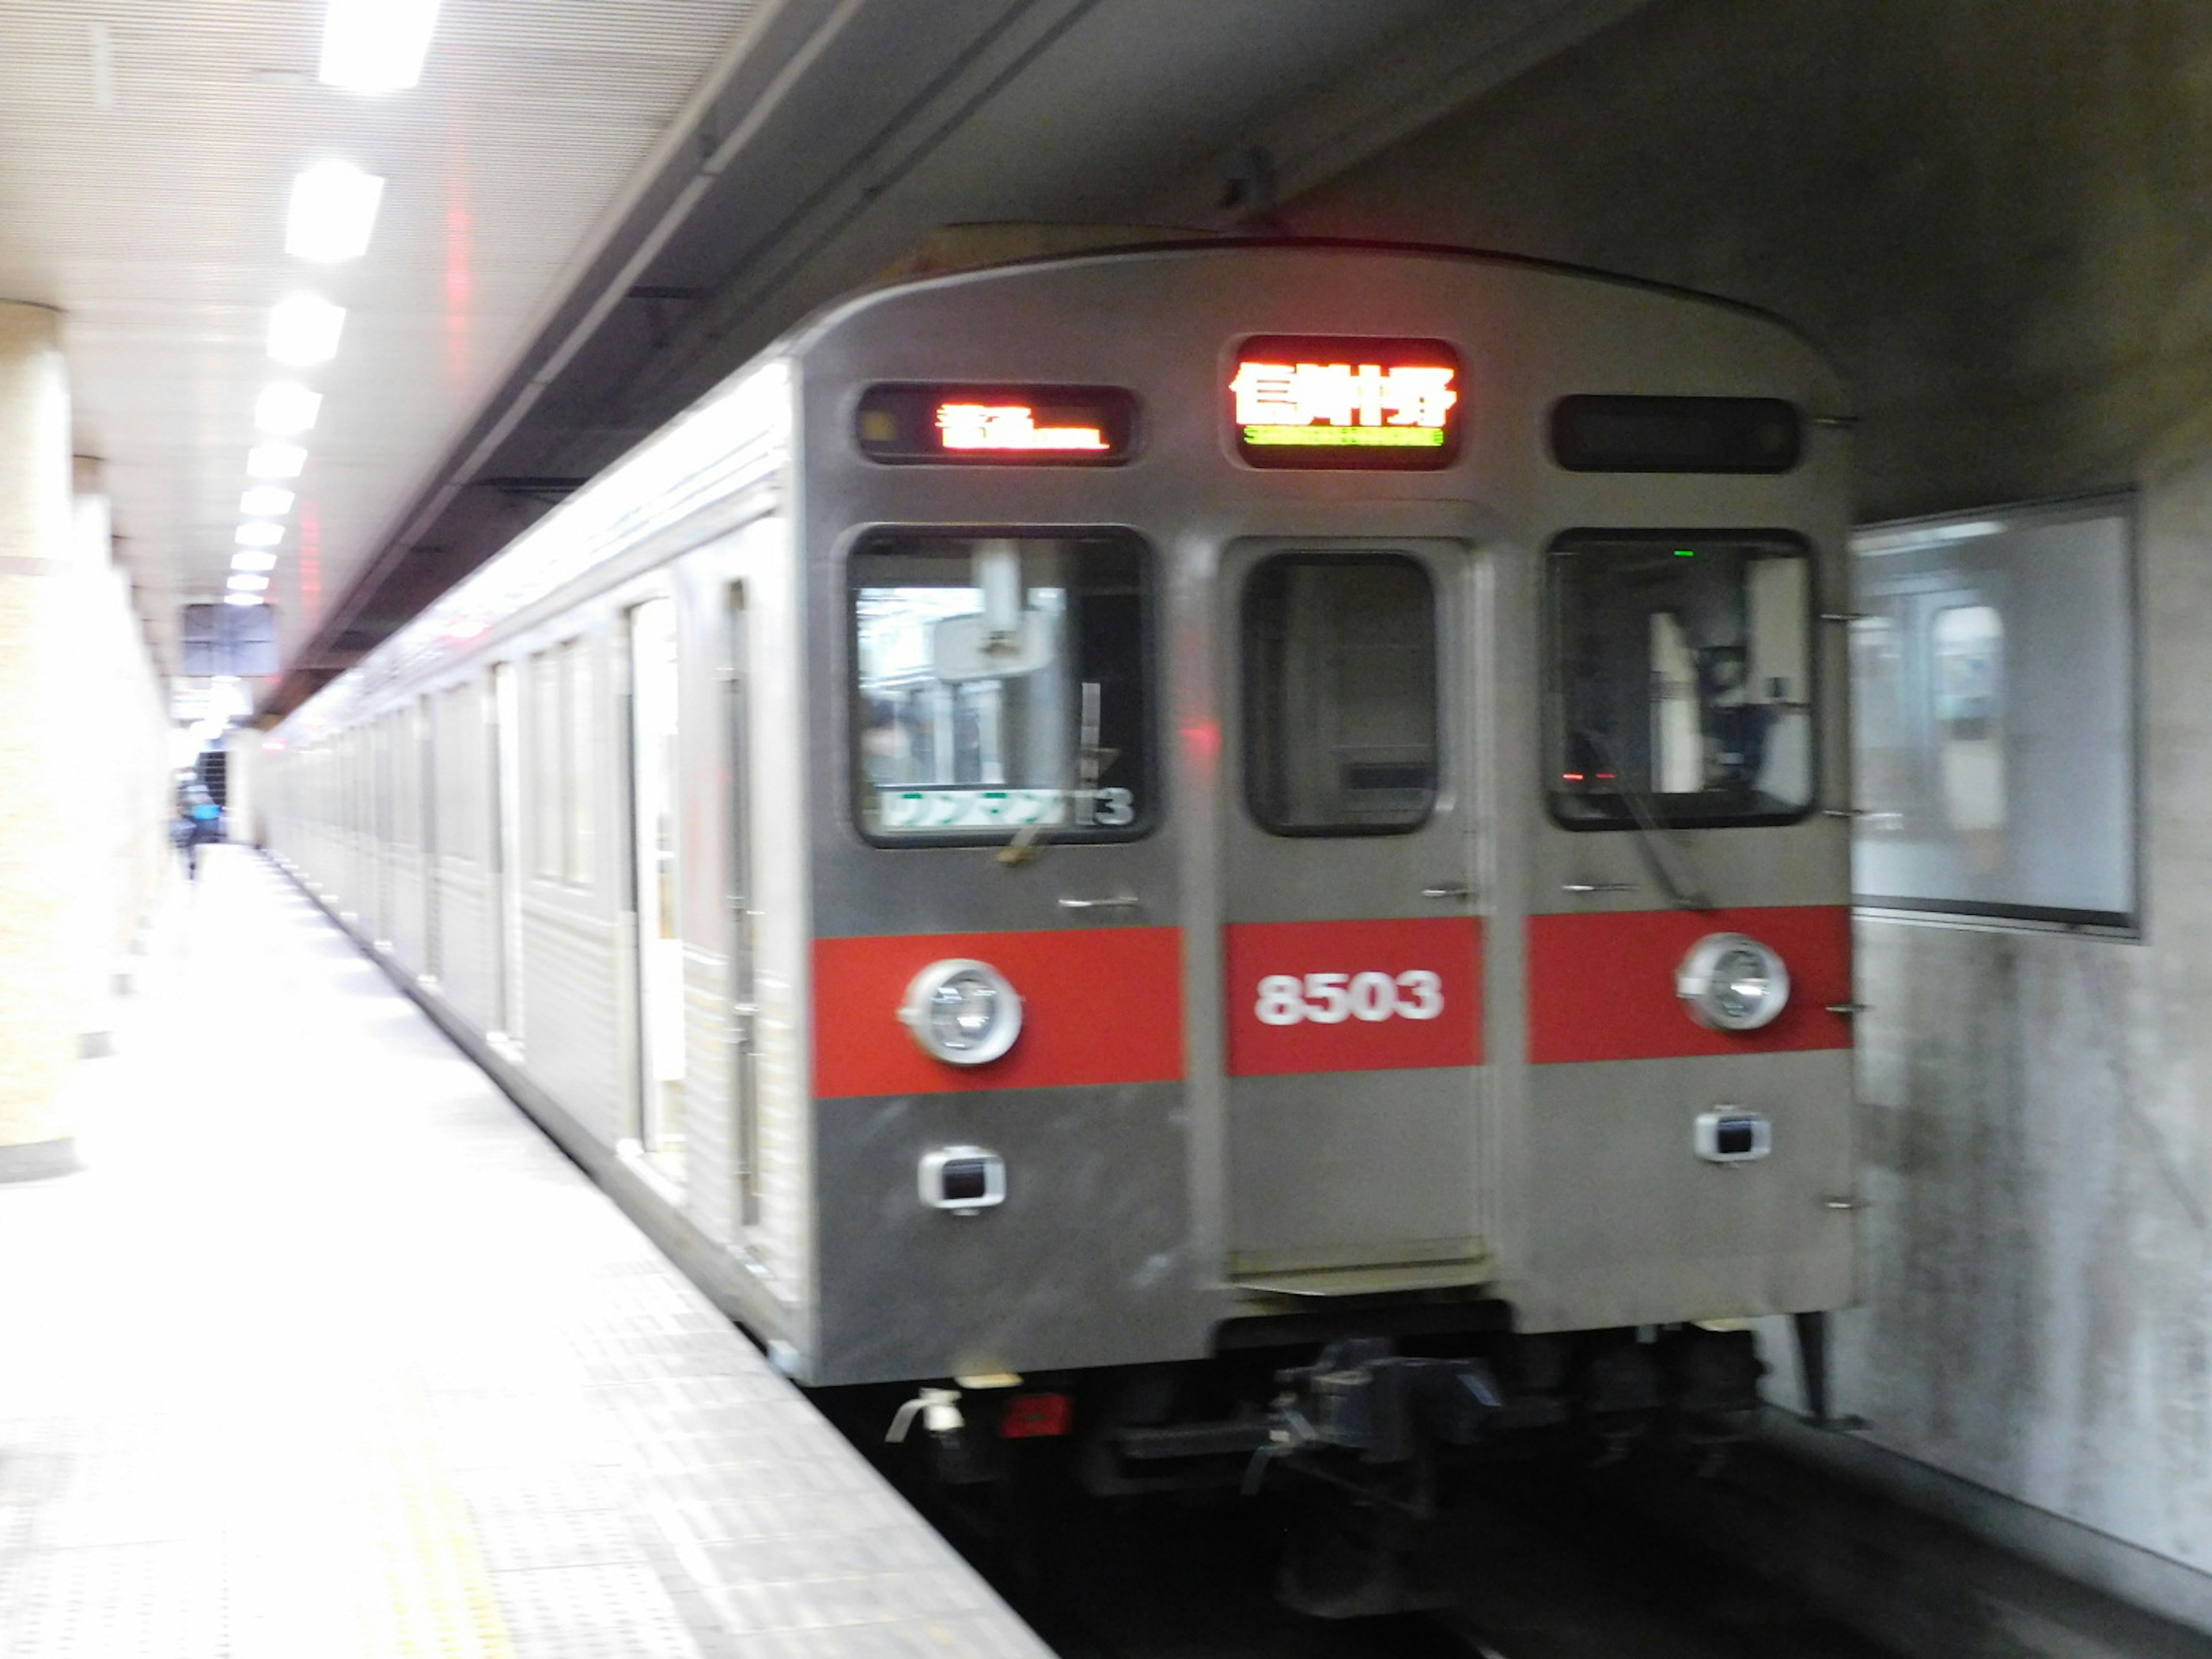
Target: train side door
738,904
655,777
1352,942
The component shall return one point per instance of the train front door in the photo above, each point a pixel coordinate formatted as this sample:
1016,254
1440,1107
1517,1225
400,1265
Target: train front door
1353,945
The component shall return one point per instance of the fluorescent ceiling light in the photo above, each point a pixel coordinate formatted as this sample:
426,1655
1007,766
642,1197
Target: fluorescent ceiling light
265,501
376,46
243,599
286,408
1924,535
248,584
255,533
303,330
253,560
276,460
332,211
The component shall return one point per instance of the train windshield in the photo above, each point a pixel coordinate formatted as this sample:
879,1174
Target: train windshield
1680,679
1001,687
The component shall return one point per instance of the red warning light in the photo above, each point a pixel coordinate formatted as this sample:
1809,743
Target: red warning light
1037,1417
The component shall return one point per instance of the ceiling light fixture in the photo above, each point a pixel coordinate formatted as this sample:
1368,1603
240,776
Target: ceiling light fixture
264,501
376,46
249,584
276,460
333,208
255,533
243,599
303,330
286,408
252,560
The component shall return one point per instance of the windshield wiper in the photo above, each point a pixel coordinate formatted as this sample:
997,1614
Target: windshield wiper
1090,760
1644,814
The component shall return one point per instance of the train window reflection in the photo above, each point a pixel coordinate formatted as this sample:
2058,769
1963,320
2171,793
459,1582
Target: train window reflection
1339,694
1969,665
1681,684
1001,687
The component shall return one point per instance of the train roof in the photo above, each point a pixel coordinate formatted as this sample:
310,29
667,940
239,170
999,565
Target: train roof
1172,243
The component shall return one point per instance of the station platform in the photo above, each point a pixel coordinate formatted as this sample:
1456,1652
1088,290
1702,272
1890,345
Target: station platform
327,1351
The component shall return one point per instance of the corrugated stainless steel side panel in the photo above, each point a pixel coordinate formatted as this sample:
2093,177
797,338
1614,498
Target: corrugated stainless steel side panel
466,965
349,875
404,925
704,498
573,1042
710,1150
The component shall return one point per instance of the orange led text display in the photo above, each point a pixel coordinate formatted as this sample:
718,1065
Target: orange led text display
1010,426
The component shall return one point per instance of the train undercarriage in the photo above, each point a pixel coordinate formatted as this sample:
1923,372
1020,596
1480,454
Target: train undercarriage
1359,1438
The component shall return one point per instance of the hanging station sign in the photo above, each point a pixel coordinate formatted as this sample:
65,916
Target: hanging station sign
1348,402
998,425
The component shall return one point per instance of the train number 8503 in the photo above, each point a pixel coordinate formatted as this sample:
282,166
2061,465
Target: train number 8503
1331,998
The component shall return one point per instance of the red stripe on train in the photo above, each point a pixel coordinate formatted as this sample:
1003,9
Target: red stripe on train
1601,987
1099,1006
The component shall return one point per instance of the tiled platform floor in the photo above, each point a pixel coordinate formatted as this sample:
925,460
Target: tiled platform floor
328,1353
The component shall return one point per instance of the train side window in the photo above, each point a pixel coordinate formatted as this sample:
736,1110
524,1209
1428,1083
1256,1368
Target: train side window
560,733
1339,694
578,769
1002,683
460,762
549,780
1680,679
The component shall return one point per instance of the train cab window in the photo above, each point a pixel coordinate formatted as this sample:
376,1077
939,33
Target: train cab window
561,736
1340,695
1000,684
1681,687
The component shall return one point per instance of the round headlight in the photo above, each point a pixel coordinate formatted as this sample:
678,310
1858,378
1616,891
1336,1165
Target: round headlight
1732,982
961,1012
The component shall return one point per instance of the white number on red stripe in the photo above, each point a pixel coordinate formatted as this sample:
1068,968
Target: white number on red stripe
1331,998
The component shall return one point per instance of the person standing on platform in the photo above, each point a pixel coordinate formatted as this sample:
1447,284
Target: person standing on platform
198,821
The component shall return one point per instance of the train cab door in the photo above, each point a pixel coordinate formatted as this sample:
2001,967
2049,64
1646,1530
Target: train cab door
1352,938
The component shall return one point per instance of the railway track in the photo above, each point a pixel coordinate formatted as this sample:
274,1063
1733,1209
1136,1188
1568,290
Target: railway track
1535,1563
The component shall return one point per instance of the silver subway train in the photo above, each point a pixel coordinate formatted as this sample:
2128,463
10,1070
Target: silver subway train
1222,848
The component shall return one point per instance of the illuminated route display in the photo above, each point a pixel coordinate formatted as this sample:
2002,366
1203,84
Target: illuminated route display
998,425
1348,402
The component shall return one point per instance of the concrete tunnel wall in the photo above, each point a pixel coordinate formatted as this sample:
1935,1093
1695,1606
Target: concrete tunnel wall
1996,216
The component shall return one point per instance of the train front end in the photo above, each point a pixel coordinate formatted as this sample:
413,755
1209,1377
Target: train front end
1328,857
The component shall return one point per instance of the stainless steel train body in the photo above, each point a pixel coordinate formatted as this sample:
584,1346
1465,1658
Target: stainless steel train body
1339,787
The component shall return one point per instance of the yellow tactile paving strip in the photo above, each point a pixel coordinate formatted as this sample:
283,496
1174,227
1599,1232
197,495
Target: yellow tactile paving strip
329,1356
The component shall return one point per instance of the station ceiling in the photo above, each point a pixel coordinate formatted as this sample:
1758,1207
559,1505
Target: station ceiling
592,210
